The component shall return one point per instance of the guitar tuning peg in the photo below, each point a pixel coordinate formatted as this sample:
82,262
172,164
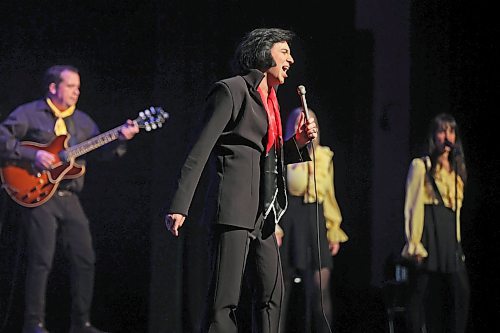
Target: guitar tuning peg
153,126
147,127
141,114
152,109
147,112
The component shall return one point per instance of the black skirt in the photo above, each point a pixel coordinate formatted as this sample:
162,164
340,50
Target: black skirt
439,238
300,244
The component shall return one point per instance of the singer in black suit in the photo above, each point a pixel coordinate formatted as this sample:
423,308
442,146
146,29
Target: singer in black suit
243,132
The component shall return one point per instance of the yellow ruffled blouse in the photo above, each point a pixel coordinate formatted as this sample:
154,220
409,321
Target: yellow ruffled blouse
419,192
300,182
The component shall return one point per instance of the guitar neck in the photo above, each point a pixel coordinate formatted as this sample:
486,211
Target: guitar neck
91,144
149,119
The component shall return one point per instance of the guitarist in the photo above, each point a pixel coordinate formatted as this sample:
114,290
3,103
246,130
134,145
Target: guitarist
41,121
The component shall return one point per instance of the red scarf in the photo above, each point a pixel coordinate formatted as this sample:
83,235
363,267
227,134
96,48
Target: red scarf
274,131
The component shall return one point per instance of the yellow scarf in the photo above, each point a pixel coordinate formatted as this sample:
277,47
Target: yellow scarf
60,126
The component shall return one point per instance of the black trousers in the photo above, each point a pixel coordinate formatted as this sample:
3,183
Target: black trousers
64,215
237,252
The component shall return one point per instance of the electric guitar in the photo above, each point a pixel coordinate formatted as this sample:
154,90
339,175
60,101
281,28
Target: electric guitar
31,187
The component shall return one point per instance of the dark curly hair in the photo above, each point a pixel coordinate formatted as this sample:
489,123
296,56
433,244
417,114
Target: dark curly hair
254,50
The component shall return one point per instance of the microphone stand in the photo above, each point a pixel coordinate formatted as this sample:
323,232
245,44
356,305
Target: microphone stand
459,255
455,166
455,153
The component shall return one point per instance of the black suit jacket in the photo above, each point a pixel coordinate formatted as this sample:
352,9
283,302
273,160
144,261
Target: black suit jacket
235,132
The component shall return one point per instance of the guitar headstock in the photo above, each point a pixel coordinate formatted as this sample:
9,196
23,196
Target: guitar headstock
151,118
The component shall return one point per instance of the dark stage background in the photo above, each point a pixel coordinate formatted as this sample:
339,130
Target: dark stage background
133,54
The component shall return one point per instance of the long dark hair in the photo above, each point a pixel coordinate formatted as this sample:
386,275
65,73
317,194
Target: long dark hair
254,51
456,156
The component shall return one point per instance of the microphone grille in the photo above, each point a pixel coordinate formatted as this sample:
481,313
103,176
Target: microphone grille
301,90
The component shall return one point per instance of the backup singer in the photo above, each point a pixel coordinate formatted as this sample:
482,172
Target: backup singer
434,194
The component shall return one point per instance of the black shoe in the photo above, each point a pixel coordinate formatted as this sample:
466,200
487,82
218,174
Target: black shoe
35,328
85,328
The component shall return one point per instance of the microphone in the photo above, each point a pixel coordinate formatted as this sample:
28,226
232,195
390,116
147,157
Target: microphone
301,90
447,143
453,148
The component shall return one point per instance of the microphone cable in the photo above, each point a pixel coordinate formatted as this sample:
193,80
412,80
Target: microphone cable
301,90
318,243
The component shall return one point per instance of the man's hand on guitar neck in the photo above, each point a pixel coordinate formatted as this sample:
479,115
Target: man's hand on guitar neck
129,130
44,159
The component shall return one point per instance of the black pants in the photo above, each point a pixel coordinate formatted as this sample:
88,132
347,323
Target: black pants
237,251
63,213
427,305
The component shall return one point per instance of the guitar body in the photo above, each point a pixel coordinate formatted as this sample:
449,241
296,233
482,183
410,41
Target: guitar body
31,187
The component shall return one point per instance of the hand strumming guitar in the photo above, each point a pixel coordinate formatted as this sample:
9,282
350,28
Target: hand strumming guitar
44,159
